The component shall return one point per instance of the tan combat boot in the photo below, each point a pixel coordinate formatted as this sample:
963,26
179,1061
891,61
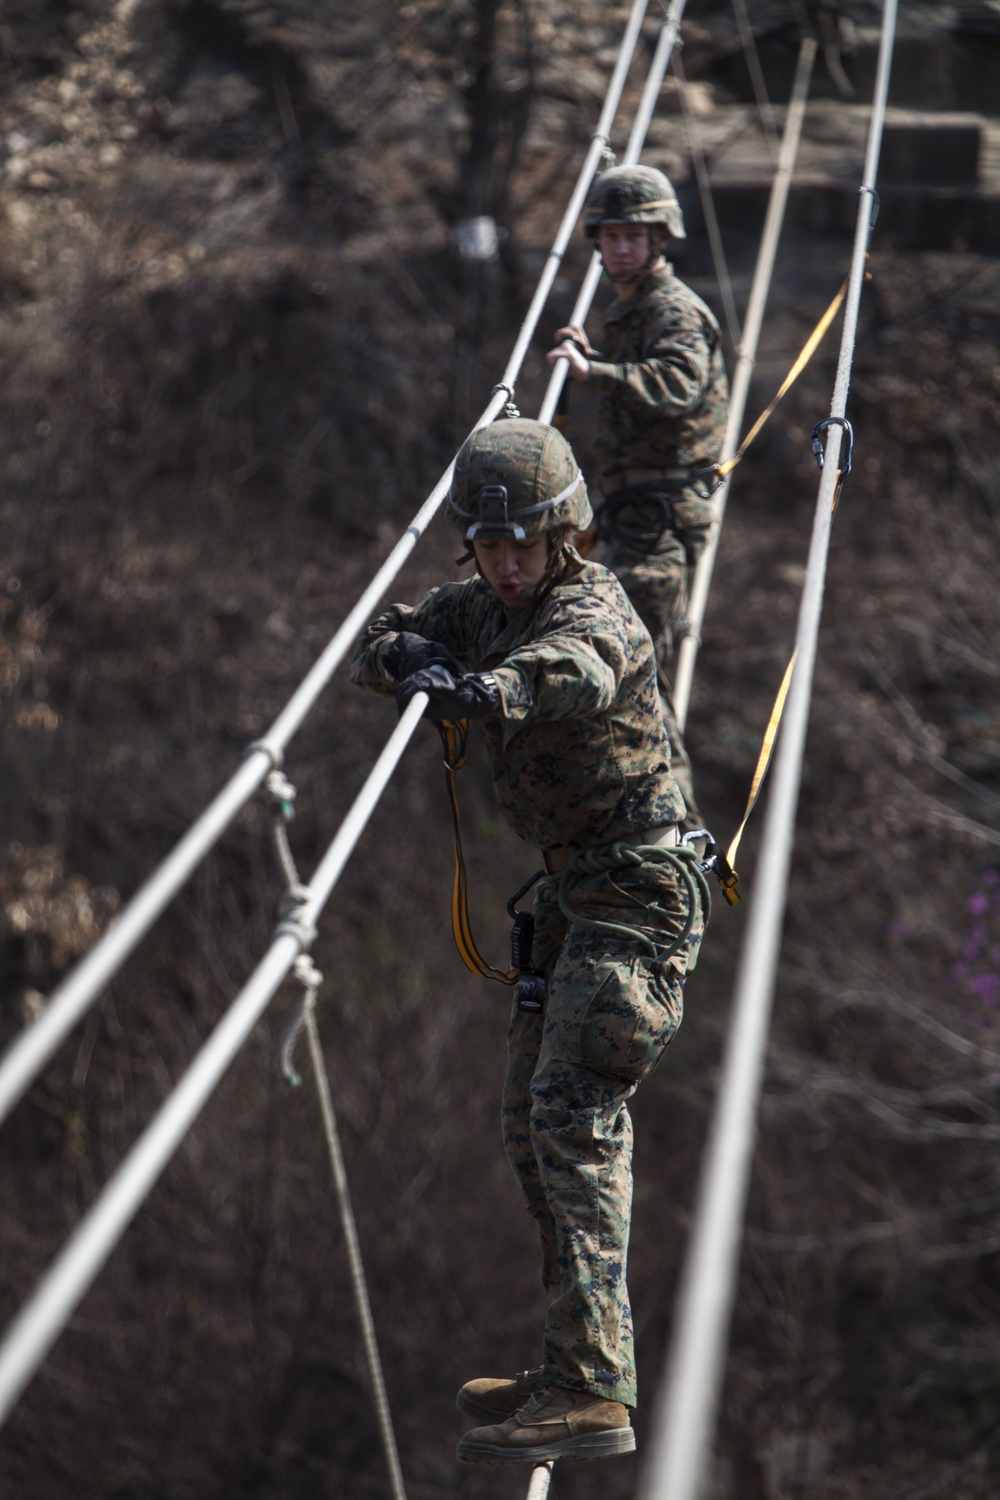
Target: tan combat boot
554,1423
494,1400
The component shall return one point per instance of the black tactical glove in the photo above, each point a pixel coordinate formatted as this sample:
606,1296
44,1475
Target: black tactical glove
410,653
452,695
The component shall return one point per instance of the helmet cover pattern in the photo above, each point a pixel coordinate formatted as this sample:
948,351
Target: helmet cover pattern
516,479
633,195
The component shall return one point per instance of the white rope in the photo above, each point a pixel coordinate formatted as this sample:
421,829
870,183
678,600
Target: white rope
746,358
32,1049
541,1478
37,1325
765,108
598,145
689,1397
358,1283
588,288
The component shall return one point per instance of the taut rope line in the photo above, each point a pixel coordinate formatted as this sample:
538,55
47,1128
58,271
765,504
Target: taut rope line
689,1397
746,358
70,1001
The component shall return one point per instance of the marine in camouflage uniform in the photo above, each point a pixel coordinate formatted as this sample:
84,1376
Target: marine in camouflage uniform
559,676
663,401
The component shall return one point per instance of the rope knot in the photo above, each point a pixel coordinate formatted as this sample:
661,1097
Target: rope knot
296,917
605,857
308,975
282,793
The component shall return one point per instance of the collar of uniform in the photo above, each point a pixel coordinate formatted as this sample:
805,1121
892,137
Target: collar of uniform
651,282
515,628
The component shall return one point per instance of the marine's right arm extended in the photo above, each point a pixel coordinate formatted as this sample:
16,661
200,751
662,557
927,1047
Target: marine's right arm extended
382,653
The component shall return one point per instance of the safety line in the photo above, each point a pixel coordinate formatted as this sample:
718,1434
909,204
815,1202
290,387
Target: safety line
765,108
599,142
349,1226
283,794
31,1049
637,137
33,1331
708,208
746,359
688,1401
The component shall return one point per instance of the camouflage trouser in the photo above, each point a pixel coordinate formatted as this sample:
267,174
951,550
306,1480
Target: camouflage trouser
663,532
657,586
611,1012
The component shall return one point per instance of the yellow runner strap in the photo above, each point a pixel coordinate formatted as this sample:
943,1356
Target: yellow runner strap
764,759
455,737
808,350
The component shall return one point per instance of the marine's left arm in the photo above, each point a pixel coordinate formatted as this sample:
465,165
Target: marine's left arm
573,668
672,373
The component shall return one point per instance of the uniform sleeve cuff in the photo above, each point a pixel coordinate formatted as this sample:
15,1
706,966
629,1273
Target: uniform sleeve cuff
515,696
604,377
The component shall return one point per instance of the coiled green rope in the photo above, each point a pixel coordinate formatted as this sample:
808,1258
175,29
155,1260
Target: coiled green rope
683,857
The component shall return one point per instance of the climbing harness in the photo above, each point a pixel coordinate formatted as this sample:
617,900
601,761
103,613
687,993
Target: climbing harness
714,862
642,517
531,982
620,855
580,863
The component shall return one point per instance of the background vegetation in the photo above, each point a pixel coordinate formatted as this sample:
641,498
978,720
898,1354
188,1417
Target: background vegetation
236,349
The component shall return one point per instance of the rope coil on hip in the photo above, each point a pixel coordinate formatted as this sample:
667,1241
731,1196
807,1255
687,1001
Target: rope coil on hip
622,855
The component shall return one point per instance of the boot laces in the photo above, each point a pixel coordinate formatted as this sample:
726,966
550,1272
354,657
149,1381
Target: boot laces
535,1401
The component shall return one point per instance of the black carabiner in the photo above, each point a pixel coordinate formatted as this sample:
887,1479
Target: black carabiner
817,446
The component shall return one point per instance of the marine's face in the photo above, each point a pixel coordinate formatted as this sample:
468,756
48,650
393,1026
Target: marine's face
512,569
624,249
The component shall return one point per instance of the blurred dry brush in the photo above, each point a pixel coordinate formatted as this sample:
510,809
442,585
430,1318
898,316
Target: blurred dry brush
231,359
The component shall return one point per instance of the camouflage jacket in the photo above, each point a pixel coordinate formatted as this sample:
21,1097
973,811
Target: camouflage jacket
578,751
661,381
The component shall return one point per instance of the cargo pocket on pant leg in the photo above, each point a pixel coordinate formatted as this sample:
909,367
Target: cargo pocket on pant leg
631,1018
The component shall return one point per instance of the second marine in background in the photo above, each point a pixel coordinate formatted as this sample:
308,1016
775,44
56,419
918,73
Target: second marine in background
663,402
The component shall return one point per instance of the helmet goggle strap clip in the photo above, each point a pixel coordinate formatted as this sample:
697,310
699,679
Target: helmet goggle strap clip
493,515
614,204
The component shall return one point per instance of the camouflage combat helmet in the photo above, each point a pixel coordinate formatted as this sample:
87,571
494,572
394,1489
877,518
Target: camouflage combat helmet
633,195
516,479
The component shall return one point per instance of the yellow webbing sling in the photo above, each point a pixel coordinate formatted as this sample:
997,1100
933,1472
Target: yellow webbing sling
809,348
455,738
763,761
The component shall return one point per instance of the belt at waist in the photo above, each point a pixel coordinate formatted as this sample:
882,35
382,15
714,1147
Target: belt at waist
557,858
625,478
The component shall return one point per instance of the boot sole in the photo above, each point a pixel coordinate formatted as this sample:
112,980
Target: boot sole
588,1445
